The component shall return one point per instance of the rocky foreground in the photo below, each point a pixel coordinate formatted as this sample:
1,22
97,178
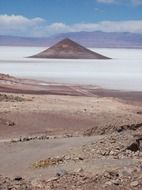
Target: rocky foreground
124,150
109,180
70,142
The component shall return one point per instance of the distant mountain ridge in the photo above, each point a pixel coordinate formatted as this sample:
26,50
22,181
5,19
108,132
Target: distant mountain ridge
95,39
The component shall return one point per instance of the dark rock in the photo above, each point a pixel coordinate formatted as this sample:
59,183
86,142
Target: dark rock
136,145
61,173
129,127
80,158
133,147
139,112
92,131
116,182
11,124
18,178
139,141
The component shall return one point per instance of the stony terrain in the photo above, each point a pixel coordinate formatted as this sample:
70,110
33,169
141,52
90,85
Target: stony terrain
78,142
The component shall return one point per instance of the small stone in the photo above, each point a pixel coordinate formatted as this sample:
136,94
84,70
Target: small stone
116,157
92,150
113,173
18,178
107,175
80,158
98,152
139,112
112,152
134,146
15,140
134,183
67,158
26,139
116,182
129,171
103,153
10,123
52,179
61,173
43,137
79,170
37,183
108,183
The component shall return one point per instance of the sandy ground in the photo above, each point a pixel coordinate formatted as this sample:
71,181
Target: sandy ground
55,115
89,138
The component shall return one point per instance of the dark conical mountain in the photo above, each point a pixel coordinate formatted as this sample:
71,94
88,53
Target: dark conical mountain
68,49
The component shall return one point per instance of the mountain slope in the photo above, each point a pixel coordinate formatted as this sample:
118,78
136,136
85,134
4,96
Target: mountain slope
68,49
88,39
105,39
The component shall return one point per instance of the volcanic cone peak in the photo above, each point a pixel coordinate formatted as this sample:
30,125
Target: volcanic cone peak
68,49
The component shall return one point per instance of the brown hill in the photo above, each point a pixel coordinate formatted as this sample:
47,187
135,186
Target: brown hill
68,49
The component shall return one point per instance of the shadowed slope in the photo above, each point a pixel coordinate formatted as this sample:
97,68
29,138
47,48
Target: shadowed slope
68,49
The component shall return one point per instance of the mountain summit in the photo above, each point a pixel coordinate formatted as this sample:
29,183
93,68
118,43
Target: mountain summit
68,49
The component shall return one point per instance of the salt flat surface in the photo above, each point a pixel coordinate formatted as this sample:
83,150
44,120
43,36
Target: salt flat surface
123,71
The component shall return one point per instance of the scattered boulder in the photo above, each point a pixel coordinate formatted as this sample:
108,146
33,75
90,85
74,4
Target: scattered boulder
10,123
109,129
18,183
136,145
139,141
129,127
133,147
80,170
134,183
61,173
139,112
37,183
18,178
94,131
116,182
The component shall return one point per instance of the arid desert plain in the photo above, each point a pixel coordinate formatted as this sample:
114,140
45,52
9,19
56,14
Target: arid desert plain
73,125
